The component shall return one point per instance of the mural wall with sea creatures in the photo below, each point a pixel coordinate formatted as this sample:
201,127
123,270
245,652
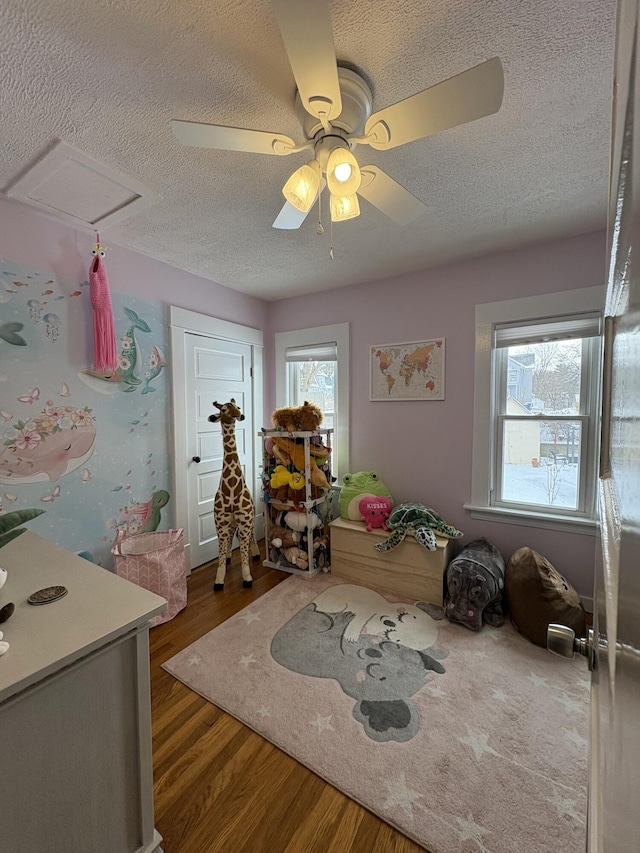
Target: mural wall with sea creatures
89,447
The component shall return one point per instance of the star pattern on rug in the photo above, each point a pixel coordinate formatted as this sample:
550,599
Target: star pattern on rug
472,831
248,686
565,806
478,743
250,617
570,704
536,680
323,724
399,795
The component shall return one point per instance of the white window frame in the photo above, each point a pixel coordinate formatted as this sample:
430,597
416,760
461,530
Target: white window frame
339,334
485,421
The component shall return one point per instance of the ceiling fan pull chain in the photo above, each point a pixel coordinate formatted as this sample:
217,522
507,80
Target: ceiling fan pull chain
331,238
320,229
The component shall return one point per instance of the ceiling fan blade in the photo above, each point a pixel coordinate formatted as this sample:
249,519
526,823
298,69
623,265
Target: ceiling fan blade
231,138
466,97
388,196
290,217
305,26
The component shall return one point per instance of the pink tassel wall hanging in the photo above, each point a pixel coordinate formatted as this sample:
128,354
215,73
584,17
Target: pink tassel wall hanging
105,356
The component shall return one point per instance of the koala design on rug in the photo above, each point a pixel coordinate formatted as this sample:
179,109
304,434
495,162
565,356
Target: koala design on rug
348,634
411,625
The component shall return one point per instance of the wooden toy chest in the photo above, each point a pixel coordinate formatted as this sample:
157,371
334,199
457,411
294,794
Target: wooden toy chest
407,570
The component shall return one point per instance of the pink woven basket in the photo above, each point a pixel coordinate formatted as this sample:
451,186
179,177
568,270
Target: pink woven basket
155,561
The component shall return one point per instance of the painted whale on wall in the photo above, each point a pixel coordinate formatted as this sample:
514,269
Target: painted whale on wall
47,447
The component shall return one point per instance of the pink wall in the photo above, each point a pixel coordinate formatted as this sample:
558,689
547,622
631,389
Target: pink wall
423,450
32,238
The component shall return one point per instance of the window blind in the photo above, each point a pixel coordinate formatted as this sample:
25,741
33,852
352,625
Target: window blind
315,352
548,329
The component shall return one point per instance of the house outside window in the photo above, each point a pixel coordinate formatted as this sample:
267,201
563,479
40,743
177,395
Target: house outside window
536,413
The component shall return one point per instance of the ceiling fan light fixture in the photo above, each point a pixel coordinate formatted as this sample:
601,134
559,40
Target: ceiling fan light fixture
343,172
344,207
302,187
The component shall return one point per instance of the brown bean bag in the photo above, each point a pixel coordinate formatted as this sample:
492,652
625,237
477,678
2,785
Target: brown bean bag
537,594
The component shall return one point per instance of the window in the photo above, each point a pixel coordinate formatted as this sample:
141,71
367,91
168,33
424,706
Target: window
545,421
312,376
313,365
535,437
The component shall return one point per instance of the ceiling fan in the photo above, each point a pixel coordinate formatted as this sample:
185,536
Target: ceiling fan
334,105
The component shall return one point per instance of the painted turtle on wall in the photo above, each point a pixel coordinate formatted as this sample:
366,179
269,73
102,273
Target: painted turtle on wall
422,520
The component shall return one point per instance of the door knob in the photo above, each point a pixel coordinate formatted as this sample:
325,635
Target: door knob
562,641
196,458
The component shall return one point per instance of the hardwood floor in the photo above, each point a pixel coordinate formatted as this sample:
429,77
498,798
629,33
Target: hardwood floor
221,788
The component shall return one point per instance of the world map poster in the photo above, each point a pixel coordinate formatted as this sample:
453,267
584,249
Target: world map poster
410,371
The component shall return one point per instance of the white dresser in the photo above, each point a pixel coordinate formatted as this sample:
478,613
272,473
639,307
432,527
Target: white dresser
76,772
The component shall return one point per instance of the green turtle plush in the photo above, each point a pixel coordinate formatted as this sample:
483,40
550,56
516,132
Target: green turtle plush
422,521
357,486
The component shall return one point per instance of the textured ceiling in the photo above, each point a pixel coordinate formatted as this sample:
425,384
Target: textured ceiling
108,76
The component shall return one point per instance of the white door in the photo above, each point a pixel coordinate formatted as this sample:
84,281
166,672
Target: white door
615,778
613,646
215,370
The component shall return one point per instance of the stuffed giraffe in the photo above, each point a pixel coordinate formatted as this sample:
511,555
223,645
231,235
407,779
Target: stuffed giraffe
233,505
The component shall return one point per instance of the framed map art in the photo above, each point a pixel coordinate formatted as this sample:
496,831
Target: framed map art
410,371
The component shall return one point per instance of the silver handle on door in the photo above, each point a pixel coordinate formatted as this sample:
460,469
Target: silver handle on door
562,641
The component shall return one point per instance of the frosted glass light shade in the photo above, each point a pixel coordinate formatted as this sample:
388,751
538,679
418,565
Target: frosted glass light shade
344,207
302,187
343,172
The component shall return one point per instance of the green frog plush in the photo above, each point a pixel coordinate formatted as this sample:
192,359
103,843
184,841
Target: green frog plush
357,486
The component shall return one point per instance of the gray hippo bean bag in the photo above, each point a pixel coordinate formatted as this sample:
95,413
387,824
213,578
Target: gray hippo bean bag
475,586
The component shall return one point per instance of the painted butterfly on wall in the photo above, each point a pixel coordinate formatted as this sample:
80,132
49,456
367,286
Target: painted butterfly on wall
54,494
31,397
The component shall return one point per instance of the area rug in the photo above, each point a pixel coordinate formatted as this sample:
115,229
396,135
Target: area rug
465,742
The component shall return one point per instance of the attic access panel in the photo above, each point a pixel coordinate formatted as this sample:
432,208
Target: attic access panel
72,186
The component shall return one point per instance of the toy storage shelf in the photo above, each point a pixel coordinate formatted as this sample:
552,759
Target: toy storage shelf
308,452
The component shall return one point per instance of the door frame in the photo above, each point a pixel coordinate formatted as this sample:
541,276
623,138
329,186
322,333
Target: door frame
181,323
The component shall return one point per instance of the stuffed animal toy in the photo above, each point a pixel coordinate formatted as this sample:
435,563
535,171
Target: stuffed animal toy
357,486
305,418
297,557
288,452
283,497
375,511
475,586
321,552
105,352
283,477
301,521
284,537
